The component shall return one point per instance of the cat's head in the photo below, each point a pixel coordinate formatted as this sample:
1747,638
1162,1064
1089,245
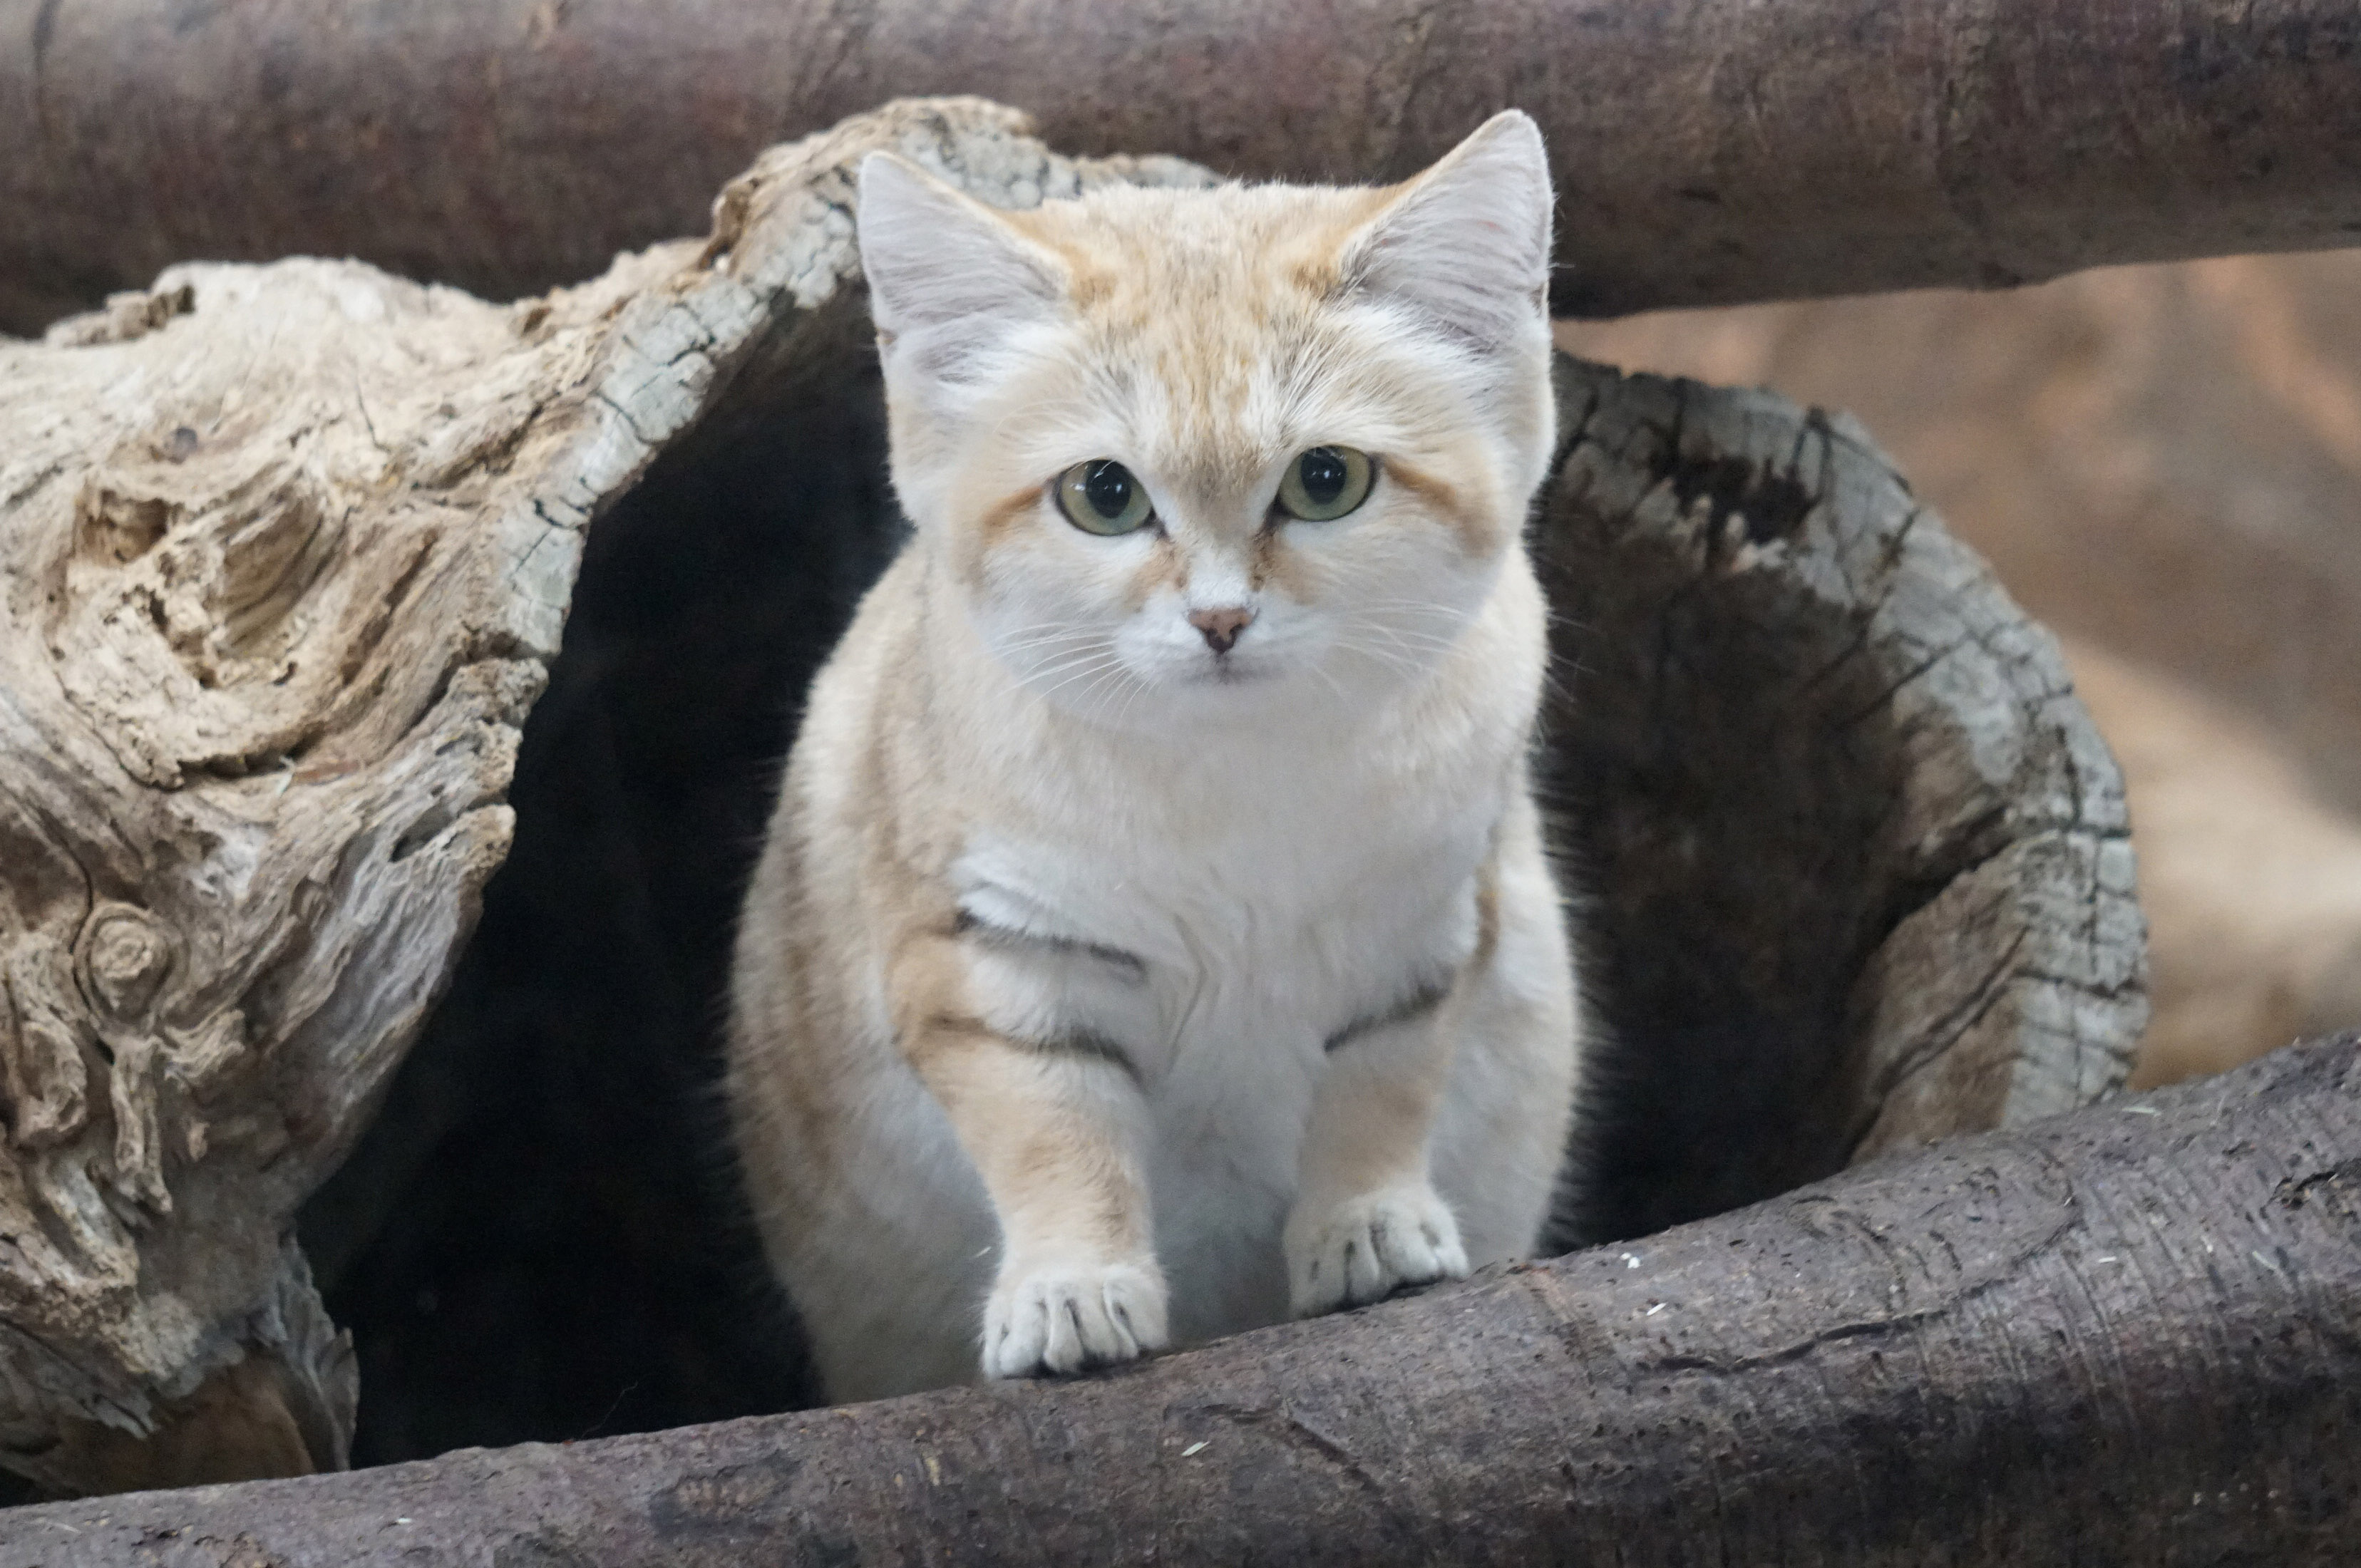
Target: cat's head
1194,453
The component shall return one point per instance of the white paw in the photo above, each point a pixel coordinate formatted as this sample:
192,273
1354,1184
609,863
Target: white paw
1063,1320
1365,1248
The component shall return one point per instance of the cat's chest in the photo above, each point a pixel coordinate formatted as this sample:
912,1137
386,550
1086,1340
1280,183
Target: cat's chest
1268,935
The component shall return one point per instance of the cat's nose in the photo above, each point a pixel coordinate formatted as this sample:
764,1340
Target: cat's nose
1221,627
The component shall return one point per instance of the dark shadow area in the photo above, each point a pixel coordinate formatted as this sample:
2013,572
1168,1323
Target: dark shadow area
539,1239
1719,769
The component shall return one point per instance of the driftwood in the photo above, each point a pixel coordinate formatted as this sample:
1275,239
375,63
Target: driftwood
1707,151
2130,1335
286,551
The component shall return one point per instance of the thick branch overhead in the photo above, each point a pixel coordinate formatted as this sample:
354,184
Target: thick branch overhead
1706,150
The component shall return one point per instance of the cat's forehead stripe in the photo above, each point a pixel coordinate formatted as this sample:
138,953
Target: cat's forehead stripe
1131,255
1209,317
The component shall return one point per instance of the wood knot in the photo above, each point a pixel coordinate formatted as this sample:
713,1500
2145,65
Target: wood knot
124,955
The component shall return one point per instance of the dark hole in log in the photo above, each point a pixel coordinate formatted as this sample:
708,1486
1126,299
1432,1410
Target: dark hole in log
540,1237
1721,819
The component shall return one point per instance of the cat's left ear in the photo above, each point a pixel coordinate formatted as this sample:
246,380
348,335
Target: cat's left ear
1466,244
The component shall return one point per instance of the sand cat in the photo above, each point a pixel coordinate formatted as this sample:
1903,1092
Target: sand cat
1154,937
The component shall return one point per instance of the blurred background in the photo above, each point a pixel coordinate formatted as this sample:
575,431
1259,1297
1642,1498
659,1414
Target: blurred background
2164,465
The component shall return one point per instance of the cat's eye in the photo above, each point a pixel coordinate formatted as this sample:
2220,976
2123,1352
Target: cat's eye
1101,496
1324,483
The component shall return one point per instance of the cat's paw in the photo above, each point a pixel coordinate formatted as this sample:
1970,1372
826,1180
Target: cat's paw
1066,1318
1365,1248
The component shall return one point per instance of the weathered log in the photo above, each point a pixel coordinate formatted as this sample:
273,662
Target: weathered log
1832,792
272,618
1858,853
2129,1335
1707,151
2164,465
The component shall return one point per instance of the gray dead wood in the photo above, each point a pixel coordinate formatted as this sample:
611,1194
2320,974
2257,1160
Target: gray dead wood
1706,150
2130,1335
281,565
286,551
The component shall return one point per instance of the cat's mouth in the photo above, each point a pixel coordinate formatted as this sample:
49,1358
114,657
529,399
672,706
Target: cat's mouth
1227,670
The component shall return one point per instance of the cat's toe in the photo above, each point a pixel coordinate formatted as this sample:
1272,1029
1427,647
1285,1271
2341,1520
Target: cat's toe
1065,1319
1367,1247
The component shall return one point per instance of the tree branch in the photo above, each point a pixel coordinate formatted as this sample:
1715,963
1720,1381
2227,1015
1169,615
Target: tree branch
1708,151
2127,1335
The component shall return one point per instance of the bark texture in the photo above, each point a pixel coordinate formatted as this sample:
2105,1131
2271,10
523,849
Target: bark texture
283,558
287,549
1707,151
2128,1336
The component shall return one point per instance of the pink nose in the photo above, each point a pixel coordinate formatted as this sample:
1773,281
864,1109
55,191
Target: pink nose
1221,627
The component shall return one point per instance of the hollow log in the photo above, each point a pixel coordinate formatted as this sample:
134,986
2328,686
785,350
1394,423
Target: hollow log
2128,1336
1706,150
1829,790
1857,720
286,550
2164,465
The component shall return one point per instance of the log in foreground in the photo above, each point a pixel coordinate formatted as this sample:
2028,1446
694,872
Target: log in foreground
1707,151
2131,1334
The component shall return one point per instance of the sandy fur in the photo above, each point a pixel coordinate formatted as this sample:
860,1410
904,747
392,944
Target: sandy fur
1096,991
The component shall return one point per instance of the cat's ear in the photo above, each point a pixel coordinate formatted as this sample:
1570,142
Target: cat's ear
948,279
1466,244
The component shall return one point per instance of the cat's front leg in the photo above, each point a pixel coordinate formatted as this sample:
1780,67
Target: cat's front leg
1055,1125
1367,1220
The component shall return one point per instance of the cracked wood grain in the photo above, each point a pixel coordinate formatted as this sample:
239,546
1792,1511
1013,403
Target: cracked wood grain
2128,1336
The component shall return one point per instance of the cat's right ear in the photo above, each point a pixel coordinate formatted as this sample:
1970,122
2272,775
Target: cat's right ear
948,279
1465,245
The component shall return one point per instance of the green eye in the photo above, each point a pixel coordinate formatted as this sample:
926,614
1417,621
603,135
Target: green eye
1102,497
1324,483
